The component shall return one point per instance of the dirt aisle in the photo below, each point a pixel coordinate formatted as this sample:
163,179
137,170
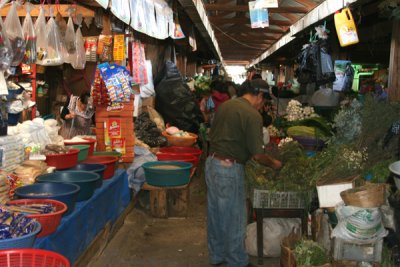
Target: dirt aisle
144,241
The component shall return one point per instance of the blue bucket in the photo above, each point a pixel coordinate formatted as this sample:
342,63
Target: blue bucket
25,241
64,192
96,168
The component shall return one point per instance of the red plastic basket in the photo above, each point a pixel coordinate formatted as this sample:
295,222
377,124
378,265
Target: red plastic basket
90,142
49,221
63,161
109,161
30,257
183,151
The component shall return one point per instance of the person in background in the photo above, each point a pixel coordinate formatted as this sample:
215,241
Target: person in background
77,116
235,137
219,94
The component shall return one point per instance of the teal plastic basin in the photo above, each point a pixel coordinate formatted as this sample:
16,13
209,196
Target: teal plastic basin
85,180
83,151
164,174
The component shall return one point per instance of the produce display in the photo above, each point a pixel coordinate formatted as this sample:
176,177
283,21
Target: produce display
14,224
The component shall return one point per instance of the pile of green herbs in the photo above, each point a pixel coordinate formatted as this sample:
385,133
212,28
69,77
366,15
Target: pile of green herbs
309,253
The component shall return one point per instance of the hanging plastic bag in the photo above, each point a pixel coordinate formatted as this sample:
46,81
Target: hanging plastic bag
6,54
79,59
15,35
54,47
41,37
138,21
30,36
148,6
70,44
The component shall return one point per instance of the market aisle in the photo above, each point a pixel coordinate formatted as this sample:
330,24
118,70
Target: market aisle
146,241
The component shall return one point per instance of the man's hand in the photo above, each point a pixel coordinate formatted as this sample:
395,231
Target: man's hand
268,161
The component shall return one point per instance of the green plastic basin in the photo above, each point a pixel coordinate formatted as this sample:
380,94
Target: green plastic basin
83,151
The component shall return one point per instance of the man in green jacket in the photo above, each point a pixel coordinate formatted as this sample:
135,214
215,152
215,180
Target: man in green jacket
235,137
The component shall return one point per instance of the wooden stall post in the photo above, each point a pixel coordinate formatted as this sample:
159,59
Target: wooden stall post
394,64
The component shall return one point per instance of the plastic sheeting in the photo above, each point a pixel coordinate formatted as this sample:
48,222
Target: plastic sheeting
77,230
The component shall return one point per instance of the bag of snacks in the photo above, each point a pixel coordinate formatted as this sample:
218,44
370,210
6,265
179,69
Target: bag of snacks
79,59
29,35
15,35
70,45
5,46
54,55
41,38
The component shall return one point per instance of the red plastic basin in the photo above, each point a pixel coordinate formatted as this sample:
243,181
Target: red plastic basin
63,161
49,221
90,141
177,157
109,161
182,151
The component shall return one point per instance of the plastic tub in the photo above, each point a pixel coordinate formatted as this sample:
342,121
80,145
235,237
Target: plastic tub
63,161
85,180
107,153
185,141
156,175
87,167
109,161
30,257
182,150
49,221
89,141
177,157
83,151
395,169
63,192
25,241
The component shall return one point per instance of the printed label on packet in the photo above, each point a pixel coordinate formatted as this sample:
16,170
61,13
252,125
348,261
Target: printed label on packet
118,144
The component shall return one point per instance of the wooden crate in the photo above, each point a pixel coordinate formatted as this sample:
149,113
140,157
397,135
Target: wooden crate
168,201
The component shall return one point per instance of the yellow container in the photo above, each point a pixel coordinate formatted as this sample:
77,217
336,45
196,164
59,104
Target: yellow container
346,28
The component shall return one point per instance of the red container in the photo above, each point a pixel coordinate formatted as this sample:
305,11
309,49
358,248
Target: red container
183,151
90,141
49,221
31,257
177,157
63,161
109,161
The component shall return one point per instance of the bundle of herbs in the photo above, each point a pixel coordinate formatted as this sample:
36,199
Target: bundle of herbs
310,253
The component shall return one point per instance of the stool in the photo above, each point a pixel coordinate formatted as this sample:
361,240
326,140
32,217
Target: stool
275,213
168,201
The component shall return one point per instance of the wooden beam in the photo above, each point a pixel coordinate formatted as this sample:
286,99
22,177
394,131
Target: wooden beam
35,12
245,8
236,62
307,3
248,37
244,20
246,41
247,28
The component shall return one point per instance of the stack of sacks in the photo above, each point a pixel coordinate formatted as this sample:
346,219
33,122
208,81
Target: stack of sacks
38,132
52,128
29,170
4,188
11,152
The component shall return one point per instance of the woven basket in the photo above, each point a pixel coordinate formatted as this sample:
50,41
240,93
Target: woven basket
367,196
180,140
287,256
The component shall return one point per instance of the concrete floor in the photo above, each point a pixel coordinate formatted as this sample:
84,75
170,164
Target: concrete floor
144,241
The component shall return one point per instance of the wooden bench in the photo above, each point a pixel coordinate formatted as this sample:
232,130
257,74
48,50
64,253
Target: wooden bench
169,201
